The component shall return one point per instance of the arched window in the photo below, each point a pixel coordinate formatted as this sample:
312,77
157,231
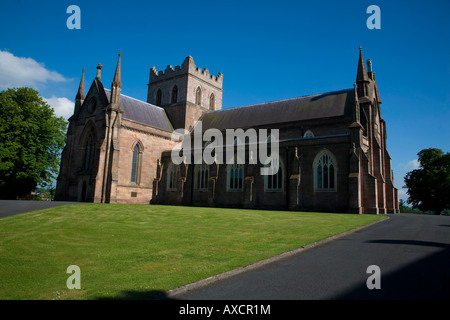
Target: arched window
212,102
136,162
308,134
363,121
325,171
201,176
198,96
172,176
89,152
158,98
174,94
275,182
235,176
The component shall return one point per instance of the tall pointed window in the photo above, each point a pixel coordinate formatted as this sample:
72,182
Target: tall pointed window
275,182
174,94
363,121
198,96
89,152
325,170
172,176
136,162
158,98
235,176
201,176
212,102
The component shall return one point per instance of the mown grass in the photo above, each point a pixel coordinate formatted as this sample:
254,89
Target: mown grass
135,251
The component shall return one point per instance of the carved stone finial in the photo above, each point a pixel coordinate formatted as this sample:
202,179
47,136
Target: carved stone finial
99,72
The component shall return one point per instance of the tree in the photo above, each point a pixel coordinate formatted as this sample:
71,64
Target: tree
31,140
429,186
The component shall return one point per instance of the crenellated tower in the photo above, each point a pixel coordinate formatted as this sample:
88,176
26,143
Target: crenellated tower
185,92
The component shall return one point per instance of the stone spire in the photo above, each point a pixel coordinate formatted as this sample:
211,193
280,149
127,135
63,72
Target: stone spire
361,74
79,98
80,93
117,81
116,85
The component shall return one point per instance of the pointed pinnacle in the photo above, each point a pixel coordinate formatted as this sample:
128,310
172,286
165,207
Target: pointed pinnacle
117,76
80,93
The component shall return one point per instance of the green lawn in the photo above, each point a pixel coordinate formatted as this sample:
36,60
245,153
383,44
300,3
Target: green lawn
134,251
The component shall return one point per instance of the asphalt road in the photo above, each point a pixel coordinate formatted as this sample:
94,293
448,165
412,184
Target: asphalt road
411,251
12,207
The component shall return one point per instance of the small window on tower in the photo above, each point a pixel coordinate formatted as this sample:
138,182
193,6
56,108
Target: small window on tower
212,102
174,94
198,96
158,97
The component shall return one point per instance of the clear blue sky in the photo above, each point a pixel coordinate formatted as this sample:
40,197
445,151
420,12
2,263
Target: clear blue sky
267,50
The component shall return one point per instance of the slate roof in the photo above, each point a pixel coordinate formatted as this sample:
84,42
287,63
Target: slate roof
317,106
143,112
324,105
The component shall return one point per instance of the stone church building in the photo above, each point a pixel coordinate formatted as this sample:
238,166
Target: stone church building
332,146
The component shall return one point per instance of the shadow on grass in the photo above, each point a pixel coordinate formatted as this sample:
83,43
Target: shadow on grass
138,295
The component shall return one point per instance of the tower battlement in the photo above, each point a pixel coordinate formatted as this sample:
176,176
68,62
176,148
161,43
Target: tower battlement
187,67
185,92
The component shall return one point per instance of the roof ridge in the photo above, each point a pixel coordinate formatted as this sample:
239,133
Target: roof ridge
282,100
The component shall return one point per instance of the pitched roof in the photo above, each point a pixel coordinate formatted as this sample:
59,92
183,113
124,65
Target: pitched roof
324,105
143,112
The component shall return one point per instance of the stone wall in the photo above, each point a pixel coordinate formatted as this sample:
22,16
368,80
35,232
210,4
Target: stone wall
153,142
298,188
